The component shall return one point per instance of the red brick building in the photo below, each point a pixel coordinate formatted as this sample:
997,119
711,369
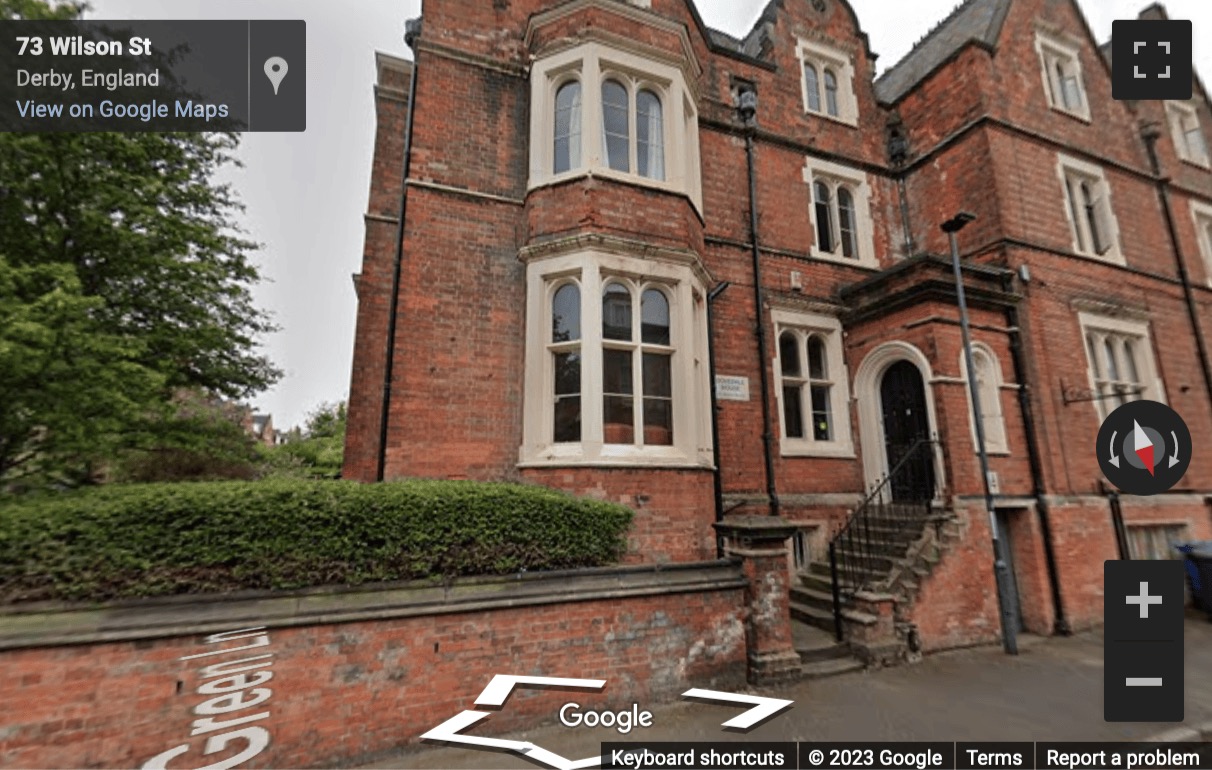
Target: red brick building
579,258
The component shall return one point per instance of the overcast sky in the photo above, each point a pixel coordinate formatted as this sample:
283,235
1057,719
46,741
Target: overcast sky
306,193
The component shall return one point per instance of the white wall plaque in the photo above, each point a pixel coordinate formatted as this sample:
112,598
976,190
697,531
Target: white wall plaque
731,388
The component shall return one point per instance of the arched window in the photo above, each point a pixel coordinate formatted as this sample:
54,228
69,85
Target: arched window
616,312
988,385
650,135
628,363
616,125
565,349
820,390
657,369
1121,363
567,149
836,217
813,87
793,385
828,81
809,388
831,93
654,318
824,217
1090,211
846,223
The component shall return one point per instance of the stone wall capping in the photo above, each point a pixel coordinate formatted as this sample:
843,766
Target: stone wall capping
61,624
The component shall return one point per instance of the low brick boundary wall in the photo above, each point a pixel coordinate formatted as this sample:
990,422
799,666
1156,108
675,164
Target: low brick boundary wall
333,677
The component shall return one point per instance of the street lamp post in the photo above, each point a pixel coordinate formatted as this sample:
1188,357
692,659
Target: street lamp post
1001,568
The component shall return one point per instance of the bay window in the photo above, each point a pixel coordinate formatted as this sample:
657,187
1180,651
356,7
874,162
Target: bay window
611,113
616,361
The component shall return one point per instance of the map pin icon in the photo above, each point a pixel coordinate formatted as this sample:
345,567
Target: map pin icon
275,70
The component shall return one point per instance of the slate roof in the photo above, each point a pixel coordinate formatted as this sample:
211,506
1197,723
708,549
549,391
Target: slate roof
751,44
974,20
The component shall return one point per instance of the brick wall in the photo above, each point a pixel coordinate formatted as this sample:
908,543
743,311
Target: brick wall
957,604
339,692
674,509
1085,538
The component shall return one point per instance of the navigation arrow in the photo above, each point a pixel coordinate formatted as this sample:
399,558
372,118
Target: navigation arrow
763,708
1174,457
498,690
450,732
450,729
1114,457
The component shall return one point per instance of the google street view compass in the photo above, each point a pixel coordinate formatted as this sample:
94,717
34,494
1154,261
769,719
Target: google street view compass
1144,448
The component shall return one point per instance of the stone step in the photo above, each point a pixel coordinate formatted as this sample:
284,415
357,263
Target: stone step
812,597
813,616
823,619
871,561
890,529
822,569
815,582
875,546
815,644
823,669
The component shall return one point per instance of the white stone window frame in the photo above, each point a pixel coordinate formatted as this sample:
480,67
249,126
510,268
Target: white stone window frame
1179,115
834,175
994,418
824,57
1201,216
1071,170
1144,359
592,64
1054,49
592,269
830,328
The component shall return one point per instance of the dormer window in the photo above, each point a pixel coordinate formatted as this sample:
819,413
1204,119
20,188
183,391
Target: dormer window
828,82
1187,133
1062,70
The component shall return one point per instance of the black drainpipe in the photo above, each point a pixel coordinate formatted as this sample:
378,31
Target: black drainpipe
715,413
412,30
748,110
1151,133
1061,625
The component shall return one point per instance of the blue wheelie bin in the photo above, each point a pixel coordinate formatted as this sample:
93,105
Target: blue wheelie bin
1199,572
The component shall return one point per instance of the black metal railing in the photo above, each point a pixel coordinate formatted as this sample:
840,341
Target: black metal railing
864,549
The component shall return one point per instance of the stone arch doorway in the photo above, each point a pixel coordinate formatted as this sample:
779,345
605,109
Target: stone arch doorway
896,410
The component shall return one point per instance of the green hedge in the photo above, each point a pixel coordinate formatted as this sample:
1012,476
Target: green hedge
163,539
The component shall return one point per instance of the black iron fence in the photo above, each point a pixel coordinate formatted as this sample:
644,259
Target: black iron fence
863,552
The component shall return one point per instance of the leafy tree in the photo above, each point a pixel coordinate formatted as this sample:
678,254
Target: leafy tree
316,453
67,384
124,282
39,9
202,439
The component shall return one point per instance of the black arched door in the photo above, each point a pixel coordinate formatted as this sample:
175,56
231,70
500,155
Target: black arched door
906,421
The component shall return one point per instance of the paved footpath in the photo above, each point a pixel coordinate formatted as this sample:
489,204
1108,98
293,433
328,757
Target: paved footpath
1051,691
